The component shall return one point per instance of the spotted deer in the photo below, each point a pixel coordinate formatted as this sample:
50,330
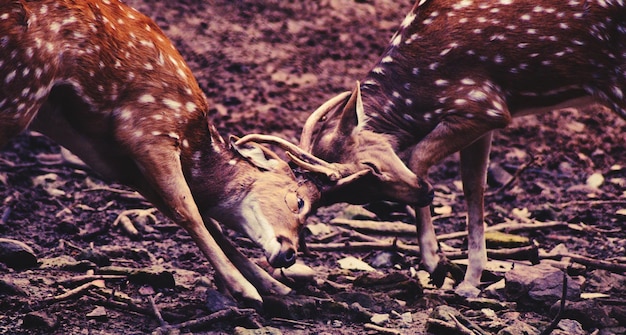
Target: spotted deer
455,71
103,80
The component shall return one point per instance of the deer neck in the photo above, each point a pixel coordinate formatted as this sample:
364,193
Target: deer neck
216,175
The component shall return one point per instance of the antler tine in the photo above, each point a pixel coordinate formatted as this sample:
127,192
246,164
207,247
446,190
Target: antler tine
287,146
307,130
332,174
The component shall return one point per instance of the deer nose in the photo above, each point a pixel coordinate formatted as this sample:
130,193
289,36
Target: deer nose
286,257
426,197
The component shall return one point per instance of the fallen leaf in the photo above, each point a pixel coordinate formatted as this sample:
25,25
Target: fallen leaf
354,264
595,180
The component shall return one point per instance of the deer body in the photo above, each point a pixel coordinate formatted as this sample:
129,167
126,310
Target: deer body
102,80
455,71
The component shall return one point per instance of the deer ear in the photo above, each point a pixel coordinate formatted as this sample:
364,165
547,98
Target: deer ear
353,115
255,154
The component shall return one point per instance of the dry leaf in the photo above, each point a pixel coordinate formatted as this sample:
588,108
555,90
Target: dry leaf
355,264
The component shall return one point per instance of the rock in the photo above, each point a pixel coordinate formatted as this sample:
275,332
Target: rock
40,320
67,263
260,331
493,304
99,313
379,319
619,313
16,254
569,327
9,288
539,283
216,301
590,313
99,258
384,259
444,319
395,284
292,307
518,328
497,176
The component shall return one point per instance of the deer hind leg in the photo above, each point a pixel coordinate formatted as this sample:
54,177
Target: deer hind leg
474,163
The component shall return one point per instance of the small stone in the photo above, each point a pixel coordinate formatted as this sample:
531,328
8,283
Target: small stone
379,319
260,331
39,320
518,328
98,313
215,301
16,254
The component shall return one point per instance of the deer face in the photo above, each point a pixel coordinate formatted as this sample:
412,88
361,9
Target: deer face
367,161
273,205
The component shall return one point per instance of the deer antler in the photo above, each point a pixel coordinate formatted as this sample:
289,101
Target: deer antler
297,155
307,130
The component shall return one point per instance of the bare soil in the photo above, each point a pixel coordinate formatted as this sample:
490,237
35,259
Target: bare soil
265,66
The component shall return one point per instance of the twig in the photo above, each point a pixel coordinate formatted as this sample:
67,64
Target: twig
294,322
507,226
78,291
401,228
382,330
590,203
527,252
86,278
587,261
451,326
156,312
396,227
225,314
515,176
559,314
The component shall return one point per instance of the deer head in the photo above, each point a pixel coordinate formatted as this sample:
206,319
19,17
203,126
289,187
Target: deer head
344,138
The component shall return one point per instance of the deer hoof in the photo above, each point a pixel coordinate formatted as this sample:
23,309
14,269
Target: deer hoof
467,290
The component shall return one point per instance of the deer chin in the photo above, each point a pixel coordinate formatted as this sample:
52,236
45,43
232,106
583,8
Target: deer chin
259,229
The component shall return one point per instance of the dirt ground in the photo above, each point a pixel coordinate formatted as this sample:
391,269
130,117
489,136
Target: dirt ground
265,66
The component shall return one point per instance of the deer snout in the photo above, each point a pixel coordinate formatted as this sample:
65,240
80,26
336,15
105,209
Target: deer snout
285,256
425,195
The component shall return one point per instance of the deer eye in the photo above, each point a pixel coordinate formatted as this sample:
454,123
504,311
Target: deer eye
294,202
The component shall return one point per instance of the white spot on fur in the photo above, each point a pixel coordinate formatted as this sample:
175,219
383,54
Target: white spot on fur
146,98
173,104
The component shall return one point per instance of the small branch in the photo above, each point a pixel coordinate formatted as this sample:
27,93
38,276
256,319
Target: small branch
515,176
401,228
156,312
205,321
507,226
382,330
87,278
381,227
590,203
587,261
453,327
75,292
294,322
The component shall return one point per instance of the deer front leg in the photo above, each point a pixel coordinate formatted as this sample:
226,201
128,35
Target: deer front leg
262,280
472,124
431,260
474,163
166,187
